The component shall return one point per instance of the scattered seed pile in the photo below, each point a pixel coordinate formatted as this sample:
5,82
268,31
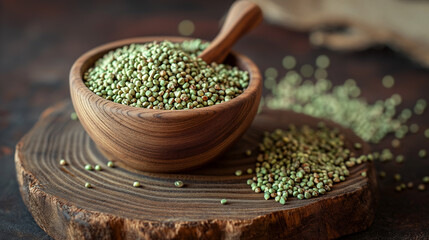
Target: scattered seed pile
164,75
338,103
302,162
342,104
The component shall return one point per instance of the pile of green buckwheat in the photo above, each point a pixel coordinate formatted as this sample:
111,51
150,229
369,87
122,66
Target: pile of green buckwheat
164,75
302,162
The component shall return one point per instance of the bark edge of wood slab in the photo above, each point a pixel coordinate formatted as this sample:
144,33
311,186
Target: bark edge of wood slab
113,209
163,140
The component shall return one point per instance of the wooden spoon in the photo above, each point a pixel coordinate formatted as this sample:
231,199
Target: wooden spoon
242,17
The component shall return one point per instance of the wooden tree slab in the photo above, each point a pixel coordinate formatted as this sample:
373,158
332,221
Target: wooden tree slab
114,209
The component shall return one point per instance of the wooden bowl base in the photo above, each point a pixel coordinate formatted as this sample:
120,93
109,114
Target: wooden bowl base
114,209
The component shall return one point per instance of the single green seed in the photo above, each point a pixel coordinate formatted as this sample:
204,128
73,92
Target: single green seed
422,153
88,167
238,172
382,174
363,174
110,164
88,185
307,195
388,81
425,179
322,61
97,168
414,128
397,177
421,187
358,145
249,171
63,162
289,62
223,201
427,133
186,27
271,73
396,143
410,184
248,152
398,188
307,70
179,184
400,158
136,184
73,116
282,200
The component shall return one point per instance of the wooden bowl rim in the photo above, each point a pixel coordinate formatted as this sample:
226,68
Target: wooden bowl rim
77,83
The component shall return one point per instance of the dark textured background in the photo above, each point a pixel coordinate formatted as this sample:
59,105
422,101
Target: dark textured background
41,39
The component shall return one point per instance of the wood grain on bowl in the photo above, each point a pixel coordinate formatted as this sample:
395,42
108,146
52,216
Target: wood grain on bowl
162,140
114,209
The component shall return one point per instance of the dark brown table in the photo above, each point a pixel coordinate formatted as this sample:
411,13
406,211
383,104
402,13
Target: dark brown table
41,39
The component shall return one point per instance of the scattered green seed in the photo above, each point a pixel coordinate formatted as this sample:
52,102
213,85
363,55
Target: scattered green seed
271,73
420,106
320,73
73,116
88,185
306,70
110,164
223,201
238,173
289,62
89,167
422,153
136,184
249,171
396,143
388,81
363,174
382,174
179,184
186,27
97,168
425,179
414,128
410,184
248,152
398,188
358,145
322,61
400,158
421,187
63,162
397,177
427,133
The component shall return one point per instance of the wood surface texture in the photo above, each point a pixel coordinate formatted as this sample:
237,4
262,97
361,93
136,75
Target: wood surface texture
242,17
163,140
114,209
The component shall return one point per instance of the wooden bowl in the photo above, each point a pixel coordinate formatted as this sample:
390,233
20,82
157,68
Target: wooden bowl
162,140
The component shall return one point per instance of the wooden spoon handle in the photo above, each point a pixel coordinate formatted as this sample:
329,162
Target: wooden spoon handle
241,18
